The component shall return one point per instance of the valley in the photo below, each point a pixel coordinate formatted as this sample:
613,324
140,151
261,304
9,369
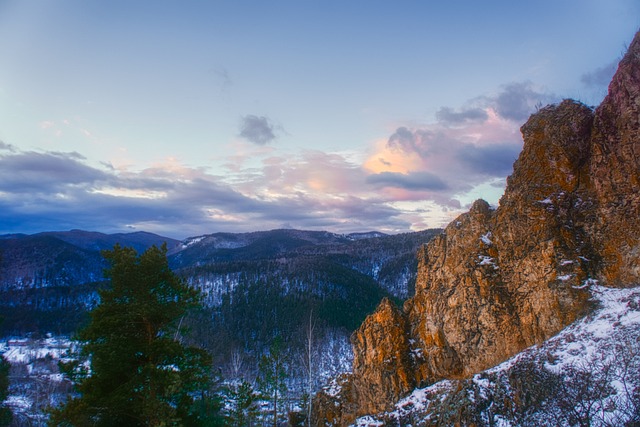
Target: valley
255,286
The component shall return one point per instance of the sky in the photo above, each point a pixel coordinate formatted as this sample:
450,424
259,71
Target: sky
186,118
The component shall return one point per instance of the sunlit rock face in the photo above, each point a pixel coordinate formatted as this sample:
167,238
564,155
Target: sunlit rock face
497,281
383,363
614,173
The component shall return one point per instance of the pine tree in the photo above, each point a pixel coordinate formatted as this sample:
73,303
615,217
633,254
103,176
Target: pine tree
242,403
140,374
5,413
273,375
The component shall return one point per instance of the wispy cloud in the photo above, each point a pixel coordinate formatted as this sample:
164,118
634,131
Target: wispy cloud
223,78
446,115
46,124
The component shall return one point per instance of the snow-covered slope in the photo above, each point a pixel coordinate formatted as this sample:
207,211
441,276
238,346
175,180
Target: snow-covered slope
588,374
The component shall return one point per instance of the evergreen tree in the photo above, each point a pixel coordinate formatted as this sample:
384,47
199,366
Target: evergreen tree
243,404
273,375
140,373
5,413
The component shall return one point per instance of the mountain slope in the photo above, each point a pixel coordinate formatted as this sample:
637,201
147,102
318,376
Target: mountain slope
215,263
63,258
45,260
49,280
258,285
95,241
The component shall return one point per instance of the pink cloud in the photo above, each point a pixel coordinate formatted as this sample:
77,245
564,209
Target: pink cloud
459,155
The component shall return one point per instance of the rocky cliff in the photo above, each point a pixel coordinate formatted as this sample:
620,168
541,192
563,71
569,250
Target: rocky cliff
497,281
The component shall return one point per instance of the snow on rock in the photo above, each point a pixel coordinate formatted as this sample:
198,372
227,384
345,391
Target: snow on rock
486,238
617,320
333,389
368,421
487,260
608,338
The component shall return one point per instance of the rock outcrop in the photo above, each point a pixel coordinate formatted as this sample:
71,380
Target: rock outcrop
497,281
383,361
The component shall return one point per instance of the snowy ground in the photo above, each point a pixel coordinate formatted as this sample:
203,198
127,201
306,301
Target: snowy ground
597,359
35,382
27,350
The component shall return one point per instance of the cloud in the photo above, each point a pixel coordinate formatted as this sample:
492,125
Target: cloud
425,142
318,189
258,130
517,101
7,147
33,172
223,76
412,181
467,152
461,155
52,191
600,77
49,190
420,176
46,124
449,116
492,160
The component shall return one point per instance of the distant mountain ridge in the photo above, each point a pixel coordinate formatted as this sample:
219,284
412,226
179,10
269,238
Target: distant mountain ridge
63,258
69,263
263,243
258,244
93,240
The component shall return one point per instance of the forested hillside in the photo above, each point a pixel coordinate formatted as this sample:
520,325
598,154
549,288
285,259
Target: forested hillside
49,280
308,289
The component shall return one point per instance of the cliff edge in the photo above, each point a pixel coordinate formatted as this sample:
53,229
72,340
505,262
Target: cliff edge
498,281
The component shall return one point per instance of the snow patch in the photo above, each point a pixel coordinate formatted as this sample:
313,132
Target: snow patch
333,389
368,421
486,238
487,260
26,350
192,241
